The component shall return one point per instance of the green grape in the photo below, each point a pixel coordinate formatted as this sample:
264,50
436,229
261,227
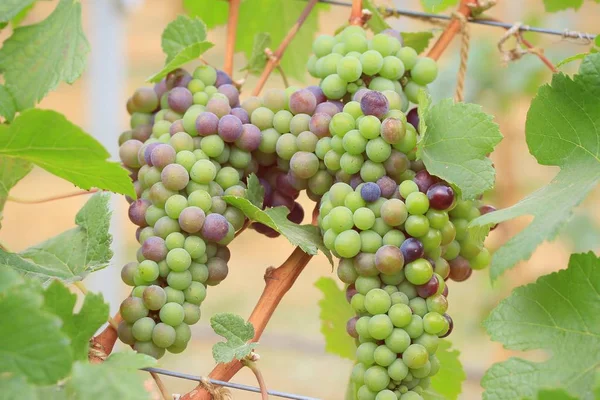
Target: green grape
371,171
175,205
394,238
408,289
286,146
362,327
398,370
195,293
332,160
355,42
349,69
430,342
142,329
148,270
409,141
400,314
340,219
199,272
269,140
354,201
412,90
369,127
358,373
416,225
418,272
424,71
179,280
333,86
341,123
363,218
351,164
417,203
347,244
381,84
481,260
364,393
364,284
174,295
163,335
376,378
354,143
178,259
434,323
408,56
346,271
353,108
415,327
437,219
377,301
262,117
172,314
418,306
371,61
282,120
380,326
327,65
415,356
358,303
323,45
392,68
323,146
307,141
365,353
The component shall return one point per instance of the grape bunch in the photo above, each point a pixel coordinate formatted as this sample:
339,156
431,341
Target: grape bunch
190,143
349,62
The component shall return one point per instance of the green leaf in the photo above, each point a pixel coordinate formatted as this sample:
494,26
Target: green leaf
554,394
186,55
12,170
237,333
10,8
182,33
36,58
31,341
78,327
307,237
376,22
436,6
255,192
597,41
17,388
559,5
16,21
576,57
277,21
559,314
455,145
258,58
447,383
7,104
582,233
47,139
335,313
561,130
417,40
116,378
73,254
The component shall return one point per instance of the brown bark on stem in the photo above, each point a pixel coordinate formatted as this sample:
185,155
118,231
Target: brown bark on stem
232,22
102,345
356,17
451,30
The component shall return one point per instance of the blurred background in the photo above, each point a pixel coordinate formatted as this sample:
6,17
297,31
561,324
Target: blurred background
125,50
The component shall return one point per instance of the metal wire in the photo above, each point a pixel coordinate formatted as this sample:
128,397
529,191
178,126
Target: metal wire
566,33
231,385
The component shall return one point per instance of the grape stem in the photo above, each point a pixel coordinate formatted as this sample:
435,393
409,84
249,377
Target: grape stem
356,14
232,22
161,386
274,61
451,30
259,377
51,198
102,345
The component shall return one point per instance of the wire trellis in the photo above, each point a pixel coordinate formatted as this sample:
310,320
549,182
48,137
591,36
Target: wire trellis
565,33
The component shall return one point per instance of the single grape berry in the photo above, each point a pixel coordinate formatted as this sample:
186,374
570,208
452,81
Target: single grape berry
486,209
440,196
374,103
429,288
215,227
424,180
450,326
370,192
137,212
207,124
303,102
230,128
460,270
412,249
413,118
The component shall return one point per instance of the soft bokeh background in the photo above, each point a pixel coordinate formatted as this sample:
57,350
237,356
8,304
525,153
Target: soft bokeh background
126,49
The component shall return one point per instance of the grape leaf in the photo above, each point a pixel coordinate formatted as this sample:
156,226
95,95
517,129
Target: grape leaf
115,378
562,130
559,5
436,6
47,139
78,327
417,40
186,55
15,387
181,33
16,21
10,8
258,59
568,60
12,170
73,254
447,383
307,237
277,21
376,22
237,333
553,394
558,313
255,192
7,104
454,146
37,57
582,233
335,313
22,352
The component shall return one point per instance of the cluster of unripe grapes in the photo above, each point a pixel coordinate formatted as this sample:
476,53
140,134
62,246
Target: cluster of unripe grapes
350,143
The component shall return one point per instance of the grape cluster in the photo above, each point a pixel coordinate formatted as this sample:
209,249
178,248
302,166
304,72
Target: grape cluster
349,62
190,143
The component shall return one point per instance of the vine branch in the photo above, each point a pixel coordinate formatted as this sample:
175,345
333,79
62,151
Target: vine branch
356,13
232,22
51,198
161,386
451,30
274,61
102,344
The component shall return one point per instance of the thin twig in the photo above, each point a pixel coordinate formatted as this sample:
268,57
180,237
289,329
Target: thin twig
283,76
356,13
451,30
273,62
83,289
161,386
51,198
232,22
259,378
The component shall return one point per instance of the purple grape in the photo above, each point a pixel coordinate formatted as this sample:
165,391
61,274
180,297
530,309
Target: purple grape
191,219
413,118
207,124
396,164
338,104
319,124
440,196
350,292
178,78
231,92
284,185
215,227
163,155
268,192
424,180
176,127
250,138
222,79
417,165
219,107
241,114
128,152
303,102
160,88
460,269
374,103
370,192
392,130
351,327
141,132
328,108
297,214
180,99
297,183
450,325
486,209
148,152
355,181
230,128
318,93
389,259
360,94
412,249
445,291
304,165
145,100
395,34
155,249
217,270
428,289
279,199
223,253
264,230
364,264
388,186
174,177
137,212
